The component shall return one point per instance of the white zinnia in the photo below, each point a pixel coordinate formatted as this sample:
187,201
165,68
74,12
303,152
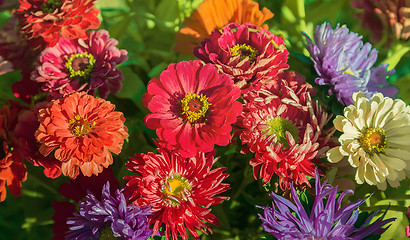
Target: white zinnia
375,139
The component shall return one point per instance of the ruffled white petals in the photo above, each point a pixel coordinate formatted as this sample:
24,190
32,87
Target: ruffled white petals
378,162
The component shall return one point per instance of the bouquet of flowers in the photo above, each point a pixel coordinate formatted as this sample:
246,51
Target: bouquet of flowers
205,119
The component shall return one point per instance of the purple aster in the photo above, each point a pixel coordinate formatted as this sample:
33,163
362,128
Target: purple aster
346,64
327,219
109,218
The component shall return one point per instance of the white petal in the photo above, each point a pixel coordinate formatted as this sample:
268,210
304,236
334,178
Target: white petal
334,155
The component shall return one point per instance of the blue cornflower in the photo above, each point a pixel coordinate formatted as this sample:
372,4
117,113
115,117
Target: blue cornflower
110,218
346,64
327,220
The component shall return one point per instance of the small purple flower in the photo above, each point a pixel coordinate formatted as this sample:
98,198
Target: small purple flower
81,65
346,64
327,219
109,218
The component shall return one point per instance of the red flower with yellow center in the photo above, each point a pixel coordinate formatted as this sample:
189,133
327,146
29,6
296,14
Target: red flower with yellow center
180,190
83,131
193,107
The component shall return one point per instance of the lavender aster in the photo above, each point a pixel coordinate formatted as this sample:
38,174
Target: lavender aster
346,64
326,220
109,218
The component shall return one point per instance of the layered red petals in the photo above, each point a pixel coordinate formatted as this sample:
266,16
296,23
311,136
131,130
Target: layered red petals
43,25
179,189
210,107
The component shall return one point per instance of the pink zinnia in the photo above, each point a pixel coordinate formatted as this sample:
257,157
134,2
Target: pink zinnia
43,22
180,190
82,131
284,128
81,65
193,107
244,52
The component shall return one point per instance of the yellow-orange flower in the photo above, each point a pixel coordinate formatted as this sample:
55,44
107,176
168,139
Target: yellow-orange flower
215,14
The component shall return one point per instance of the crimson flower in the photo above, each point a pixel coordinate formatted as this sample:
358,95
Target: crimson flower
180,190
285,130
193,107
244,52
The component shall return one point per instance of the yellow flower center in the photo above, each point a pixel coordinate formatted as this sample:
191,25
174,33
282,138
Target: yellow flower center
175,189
244,50
194,107
50,5
80,126
80,65
373,140
280,126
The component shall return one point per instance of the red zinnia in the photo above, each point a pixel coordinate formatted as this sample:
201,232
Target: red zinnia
193,107
44,21
82,130
283,127
179,189
12,170
248,55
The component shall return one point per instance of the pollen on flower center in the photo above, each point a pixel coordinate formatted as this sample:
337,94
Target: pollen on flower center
175,189
280,126
80,126
194,107
50,5
80,65
373,140
244,50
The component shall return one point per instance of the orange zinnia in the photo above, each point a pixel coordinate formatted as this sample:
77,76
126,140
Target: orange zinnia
83,131
215,14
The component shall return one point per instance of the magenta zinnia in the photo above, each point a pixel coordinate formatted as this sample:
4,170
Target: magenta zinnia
83,131
180,190
244,52
193,107
81,65
284,128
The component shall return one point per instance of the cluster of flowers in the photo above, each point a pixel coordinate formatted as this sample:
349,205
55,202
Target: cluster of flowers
241,91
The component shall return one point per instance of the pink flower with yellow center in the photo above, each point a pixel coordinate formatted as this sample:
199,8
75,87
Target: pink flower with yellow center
81,65
193,107
180,190
244,52
82,131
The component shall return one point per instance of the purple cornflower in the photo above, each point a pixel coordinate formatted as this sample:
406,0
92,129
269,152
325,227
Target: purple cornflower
346,64
109,218
327,219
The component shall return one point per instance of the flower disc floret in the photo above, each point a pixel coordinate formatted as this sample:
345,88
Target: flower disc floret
82,131
80,65
192,107
175,189
375,139
279,126
243,51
